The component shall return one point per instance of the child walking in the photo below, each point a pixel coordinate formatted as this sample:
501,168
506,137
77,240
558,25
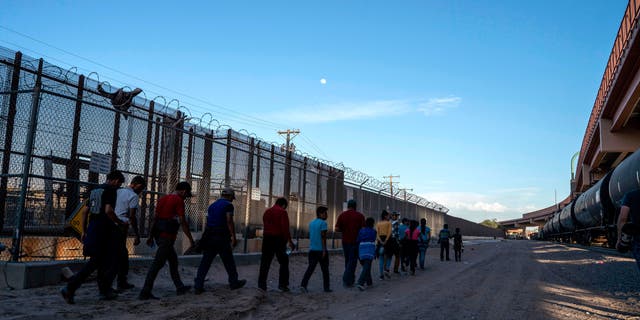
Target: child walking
366,251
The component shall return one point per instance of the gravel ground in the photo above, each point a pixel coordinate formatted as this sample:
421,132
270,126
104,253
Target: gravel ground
496,280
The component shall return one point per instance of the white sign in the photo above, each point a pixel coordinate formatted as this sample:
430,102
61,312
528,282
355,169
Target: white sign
255,194
100,163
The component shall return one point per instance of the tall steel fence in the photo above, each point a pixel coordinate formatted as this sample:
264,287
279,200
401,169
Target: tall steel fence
60,136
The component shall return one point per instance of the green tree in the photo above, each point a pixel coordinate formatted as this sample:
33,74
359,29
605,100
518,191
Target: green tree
491,223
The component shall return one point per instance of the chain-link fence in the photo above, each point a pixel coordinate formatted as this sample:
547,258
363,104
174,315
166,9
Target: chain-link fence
71,136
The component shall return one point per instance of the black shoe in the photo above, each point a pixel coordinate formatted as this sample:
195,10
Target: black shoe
263,288
66,295
283,288
198,290
182,290
111,295
238,284
125,286
146,296
328,290
381,277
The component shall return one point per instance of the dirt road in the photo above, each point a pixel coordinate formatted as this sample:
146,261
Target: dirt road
496,280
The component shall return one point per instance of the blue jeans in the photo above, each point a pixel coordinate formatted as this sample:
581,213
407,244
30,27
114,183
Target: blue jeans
216,245
365,274
350,261
422,253
381,260
315,257
165,253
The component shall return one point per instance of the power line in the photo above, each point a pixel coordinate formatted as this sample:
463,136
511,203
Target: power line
272,125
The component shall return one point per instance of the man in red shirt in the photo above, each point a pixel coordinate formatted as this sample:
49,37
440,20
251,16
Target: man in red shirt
164,229
349,223
275,237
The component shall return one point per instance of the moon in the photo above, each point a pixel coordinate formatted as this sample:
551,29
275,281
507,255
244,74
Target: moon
323,81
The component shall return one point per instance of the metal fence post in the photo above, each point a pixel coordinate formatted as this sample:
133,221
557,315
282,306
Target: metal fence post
73,166
8,140
273,151
247,209
26,164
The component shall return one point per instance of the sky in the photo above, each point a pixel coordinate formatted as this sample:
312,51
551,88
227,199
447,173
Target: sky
478,105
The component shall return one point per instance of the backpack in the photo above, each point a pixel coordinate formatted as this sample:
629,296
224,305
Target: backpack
95,200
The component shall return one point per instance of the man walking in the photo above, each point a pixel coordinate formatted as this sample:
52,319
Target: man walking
168,219
126,210
98,238
318,249
349,223
443,240
276,235
219,237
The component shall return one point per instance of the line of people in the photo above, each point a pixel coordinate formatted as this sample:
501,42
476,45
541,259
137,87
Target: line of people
112,210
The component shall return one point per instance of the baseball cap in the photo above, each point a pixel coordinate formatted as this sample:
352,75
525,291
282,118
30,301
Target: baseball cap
184,186
228,191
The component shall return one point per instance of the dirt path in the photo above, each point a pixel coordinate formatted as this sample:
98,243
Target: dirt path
496,280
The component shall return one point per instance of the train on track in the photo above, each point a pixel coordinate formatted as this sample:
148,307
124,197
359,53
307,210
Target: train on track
591,217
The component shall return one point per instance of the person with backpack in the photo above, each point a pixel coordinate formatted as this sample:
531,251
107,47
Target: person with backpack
169,216
423,242
99,238
443,240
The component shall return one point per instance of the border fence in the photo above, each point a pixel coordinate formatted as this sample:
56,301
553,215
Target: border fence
59,138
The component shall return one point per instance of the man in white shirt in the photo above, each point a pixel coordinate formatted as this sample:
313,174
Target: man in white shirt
125,210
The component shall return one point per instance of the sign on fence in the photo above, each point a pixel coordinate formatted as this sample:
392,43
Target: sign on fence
100,163
255,194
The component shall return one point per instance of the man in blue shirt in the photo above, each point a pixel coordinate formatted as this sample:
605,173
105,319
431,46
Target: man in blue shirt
318,249
443,240
219,237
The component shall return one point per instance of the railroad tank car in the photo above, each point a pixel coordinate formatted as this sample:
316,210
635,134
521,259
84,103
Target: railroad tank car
625,177
594,213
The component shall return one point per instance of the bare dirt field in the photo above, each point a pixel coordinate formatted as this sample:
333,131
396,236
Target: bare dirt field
496,280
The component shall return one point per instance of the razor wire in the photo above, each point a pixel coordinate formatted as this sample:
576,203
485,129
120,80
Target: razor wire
164,142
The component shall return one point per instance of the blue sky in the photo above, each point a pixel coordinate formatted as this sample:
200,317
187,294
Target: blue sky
478,105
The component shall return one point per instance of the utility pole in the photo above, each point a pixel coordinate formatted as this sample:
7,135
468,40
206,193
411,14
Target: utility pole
289,148
405,199
390,177
291,133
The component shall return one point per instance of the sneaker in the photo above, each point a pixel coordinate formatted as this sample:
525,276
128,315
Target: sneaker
198,290
125,286
66,295
182,290
303,289
146,296
283,288
360,287
238,284
111,295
